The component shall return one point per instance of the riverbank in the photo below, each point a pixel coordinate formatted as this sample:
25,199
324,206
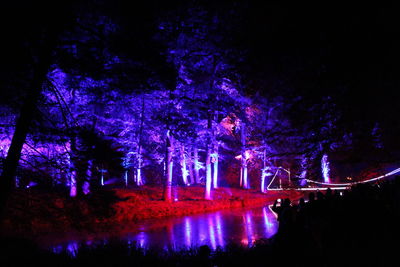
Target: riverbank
140,204
35,213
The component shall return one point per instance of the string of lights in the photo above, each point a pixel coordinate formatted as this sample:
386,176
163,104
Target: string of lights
335,186
358,182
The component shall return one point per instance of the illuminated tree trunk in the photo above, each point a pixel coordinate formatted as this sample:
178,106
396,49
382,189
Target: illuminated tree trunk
208,161
102,171
264,171
183,165
325,169
243,170
215,174
86,183
72,178
190,164
208,173
196,164
304,168
139,180
169,166
126,178
263,176
73,188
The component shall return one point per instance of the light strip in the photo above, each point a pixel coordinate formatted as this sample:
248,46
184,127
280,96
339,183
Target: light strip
361,182
309,188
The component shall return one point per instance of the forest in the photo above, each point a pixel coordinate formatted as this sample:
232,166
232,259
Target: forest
194,93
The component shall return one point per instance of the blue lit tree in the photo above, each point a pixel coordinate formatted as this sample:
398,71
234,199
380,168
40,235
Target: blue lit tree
198,45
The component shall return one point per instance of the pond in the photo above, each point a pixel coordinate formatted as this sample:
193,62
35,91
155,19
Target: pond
219,228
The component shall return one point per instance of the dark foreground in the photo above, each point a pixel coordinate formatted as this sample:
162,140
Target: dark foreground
360,228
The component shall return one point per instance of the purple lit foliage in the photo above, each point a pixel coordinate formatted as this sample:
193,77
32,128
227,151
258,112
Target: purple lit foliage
178,103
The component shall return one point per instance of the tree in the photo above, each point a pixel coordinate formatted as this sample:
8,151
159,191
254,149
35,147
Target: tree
43,44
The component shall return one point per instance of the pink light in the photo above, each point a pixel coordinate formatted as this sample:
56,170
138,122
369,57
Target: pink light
247,155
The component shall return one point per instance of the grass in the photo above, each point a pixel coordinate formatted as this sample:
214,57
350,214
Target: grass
34,212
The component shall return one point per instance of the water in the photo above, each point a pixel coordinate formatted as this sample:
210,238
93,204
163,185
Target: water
239,226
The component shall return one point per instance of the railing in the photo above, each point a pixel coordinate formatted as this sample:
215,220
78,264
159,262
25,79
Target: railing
335,186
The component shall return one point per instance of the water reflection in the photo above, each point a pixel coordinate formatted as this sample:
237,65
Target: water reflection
72,248
213,229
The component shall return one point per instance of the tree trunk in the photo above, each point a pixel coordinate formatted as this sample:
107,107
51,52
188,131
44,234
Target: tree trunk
183,165
325,169
169,166
263,175
86,183
208,173
215,174
263,171
196,164
304,167
208,161
126,178
244,177
21,131
139,180
192,179
73,170
72,176
102,171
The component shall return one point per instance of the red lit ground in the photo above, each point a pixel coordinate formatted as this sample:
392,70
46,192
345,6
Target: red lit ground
145,203
43,213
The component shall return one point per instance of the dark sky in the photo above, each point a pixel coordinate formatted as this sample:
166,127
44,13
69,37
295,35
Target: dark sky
347,50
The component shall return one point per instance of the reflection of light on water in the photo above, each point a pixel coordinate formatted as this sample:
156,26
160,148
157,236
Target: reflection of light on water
72,249
219,230
269,218
212,232
248,229
57,249
129,244
273,212
202,231
249,226
188,232
212,229
173,242
141,240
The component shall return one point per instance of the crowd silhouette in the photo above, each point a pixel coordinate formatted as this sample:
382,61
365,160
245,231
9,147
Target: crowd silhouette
358,227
